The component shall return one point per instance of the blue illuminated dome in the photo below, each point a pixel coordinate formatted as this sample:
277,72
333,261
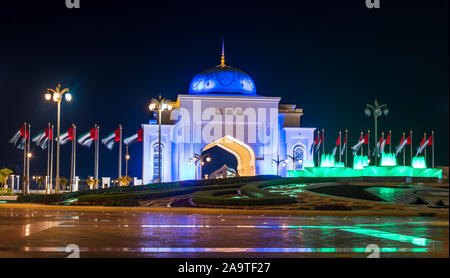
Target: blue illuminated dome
222,79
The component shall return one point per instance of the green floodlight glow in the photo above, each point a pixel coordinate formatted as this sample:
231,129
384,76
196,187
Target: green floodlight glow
327,160
418,162
388,159
369,171
339,164
309,163
360,161
392,236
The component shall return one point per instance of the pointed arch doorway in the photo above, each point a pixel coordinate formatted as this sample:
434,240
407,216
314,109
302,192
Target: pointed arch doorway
244,154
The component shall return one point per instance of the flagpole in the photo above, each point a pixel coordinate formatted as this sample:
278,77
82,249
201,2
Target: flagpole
71,164
368,144
97,136
143,157
318,150
404,150
346,146
390,139
48,161
51,163
24,159
74,151
362,148
432,148
425,149
127,156
95,153
120,152
410,149
340,149
28,159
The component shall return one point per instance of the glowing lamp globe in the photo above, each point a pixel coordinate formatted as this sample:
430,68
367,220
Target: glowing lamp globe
56,97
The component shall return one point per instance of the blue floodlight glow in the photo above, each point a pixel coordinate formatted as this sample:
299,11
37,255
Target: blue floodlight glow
222,80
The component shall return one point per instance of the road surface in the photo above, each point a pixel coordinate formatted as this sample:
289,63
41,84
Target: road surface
47,232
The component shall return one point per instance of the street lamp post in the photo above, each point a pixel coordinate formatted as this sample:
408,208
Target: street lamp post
29,156
57,95
278,162
127,157
199,158
377,110
292,158
159,105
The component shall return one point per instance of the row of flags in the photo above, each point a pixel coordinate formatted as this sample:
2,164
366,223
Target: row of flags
44,139
20,137
364,140
86,139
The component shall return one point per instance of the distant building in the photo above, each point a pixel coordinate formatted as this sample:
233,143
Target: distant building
223,172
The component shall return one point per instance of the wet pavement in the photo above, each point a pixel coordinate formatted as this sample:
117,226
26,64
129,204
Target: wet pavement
47,233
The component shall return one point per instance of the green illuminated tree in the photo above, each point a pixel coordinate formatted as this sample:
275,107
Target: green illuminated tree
4,175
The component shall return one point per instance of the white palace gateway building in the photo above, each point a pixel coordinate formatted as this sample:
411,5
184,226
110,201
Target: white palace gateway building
222,108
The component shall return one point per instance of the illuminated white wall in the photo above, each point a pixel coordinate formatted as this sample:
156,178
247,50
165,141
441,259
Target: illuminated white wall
185,138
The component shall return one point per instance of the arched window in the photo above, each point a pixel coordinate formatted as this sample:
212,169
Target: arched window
298,154
156,162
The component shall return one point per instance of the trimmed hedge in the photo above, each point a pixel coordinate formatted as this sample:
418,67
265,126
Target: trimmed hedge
257,195
106,199
47,198
213,197
54,198
256,189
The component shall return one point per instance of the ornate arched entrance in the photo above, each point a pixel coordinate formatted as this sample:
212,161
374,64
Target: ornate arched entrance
244,154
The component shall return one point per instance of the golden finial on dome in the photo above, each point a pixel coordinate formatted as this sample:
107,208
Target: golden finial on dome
222,58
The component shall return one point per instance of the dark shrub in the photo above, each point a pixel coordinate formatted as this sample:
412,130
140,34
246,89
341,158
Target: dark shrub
419,201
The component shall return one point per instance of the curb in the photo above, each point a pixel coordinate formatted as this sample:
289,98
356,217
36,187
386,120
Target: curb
232,211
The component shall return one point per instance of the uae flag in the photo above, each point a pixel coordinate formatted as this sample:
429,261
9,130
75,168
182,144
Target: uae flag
345,144
48,136
423,145
401,146
320,142
40,139
338,142
109,140
316,141
383,144
134,138
20,138
66,136
388,139
48,133
358,145
88,138
380,142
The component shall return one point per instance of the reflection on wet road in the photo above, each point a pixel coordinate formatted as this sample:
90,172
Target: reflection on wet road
46,233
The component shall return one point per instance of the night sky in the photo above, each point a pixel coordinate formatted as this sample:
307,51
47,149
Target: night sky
328,57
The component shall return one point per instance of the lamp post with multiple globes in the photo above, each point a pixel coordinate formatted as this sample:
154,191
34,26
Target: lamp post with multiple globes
199,158
278,162
159,105
57,95
376,110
